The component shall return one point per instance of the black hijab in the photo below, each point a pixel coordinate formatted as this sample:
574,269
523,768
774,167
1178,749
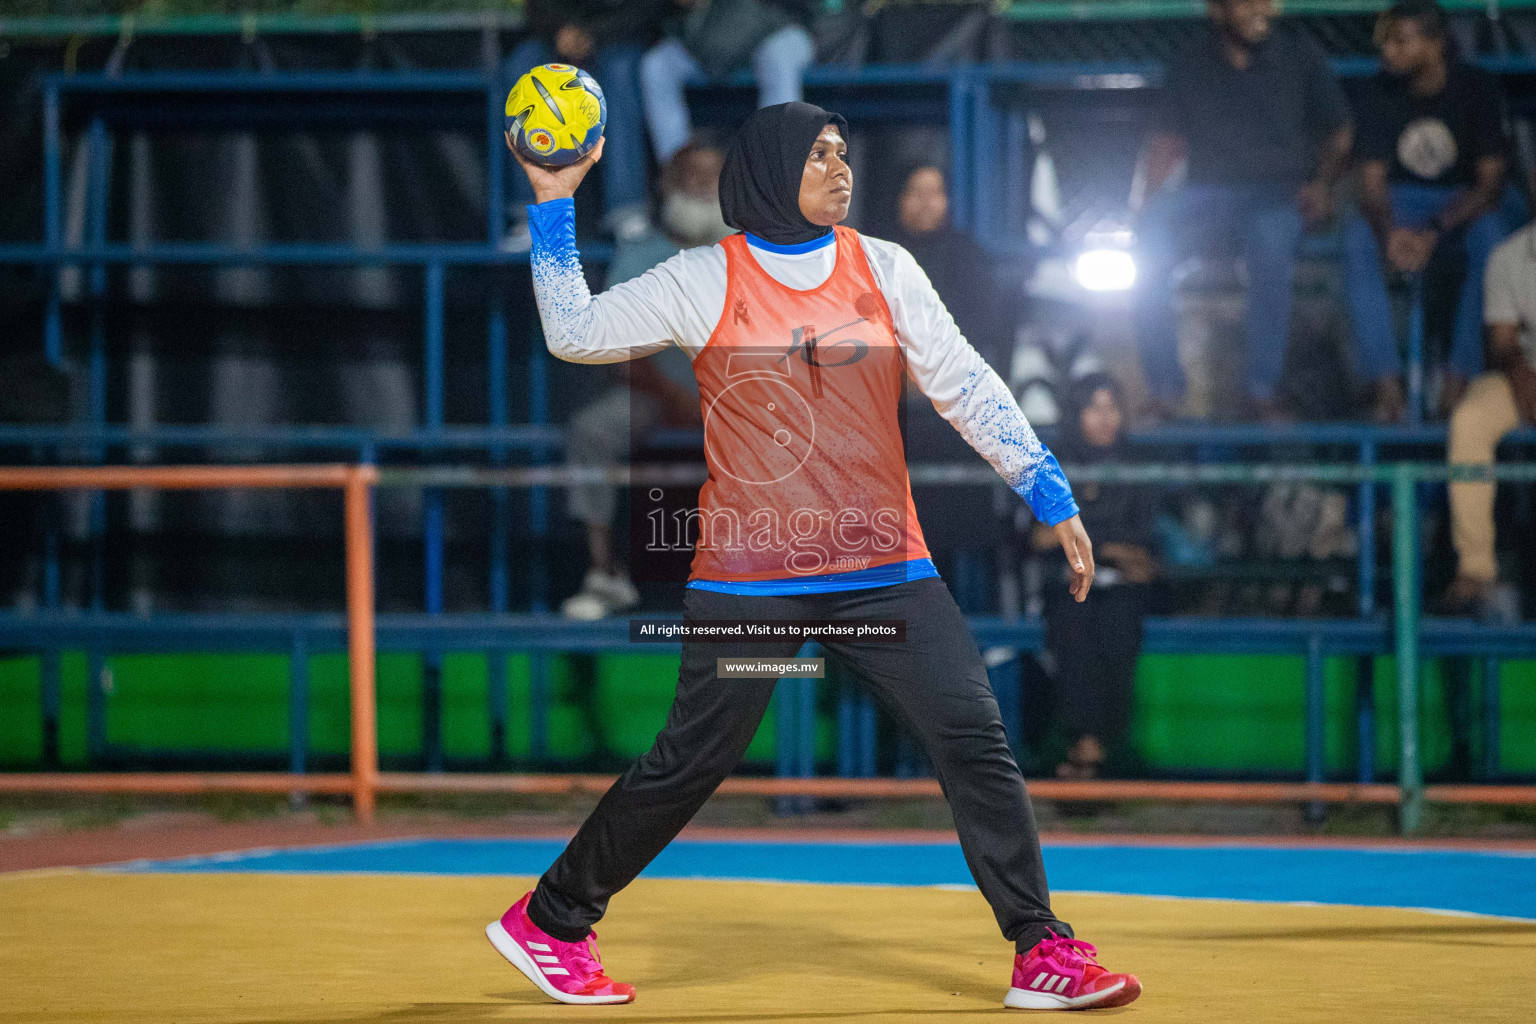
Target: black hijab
760,182
1079,396
1116,513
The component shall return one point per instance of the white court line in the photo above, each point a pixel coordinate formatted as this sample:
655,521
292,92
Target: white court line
163,865
169,866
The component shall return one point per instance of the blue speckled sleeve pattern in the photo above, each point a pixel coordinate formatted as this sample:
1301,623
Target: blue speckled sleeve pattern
964,389
989,419
559,286
1051,497
627,321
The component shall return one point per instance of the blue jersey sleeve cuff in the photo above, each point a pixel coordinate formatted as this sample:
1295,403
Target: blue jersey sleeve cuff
1050,498
552,225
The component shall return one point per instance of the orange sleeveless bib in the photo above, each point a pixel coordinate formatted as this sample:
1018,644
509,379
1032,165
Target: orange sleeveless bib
801,396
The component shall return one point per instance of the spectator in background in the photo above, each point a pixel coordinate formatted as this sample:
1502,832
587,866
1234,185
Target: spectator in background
959,526
658,391
605,37
1495,403
958,267
1432,166
1265,129
1095,644
713,39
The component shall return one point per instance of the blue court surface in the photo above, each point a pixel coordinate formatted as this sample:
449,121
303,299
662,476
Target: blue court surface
1501,884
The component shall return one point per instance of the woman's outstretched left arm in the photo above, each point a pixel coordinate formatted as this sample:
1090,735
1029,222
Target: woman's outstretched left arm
974,400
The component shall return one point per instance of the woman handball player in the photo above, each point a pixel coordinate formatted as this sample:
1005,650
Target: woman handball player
803,334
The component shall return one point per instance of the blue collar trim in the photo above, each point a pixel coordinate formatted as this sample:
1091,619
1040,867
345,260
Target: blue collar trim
791,250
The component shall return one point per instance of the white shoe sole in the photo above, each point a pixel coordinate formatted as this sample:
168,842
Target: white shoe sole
1025,999
508,947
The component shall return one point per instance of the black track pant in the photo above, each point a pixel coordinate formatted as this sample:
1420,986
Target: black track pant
934,684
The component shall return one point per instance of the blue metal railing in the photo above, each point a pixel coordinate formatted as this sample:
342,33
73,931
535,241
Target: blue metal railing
1404,635
969,94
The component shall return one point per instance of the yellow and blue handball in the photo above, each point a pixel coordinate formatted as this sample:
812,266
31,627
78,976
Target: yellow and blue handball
555,114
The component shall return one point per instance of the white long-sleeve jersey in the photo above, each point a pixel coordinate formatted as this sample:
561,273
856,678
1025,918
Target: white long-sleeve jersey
680,301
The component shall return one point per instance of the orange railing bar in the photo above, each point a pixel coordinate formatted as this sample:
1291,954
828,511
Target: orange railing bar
1480,794
177,478
360,644
363,787
184,783
829,787
889,789
355,483
825,787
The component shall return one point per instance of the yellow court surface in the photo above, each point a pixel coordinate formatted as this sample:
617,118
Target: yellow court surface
81,946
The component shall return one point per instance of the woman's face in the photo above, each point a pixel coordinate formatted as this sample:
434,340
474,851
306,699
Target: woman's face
826,185
1101,418
923,205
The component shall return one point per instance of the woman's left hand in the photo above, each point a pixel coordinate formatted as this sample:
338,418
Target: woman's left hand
1079,551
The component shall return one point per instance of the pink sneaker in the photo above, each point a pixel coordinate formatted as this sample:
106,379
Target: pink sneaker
571,972
1061,974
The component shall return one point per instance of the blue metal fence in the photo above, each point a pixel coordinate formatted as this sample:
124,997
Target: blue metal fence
964,99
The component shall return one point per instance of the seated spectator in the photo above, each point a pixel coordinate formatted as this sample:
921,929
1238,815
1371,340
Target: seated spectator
713,39
960,532
1265,129
657,391
1432,165
605,37
955,263
1095,644
1495,403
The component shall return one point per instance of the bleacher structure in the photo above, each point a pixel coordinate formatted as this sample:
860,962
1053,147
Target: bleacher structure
1103,55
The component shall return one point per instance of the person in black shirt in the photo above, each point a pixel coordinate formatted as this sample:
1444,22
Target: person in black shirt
1432,164
1266,131
1096,643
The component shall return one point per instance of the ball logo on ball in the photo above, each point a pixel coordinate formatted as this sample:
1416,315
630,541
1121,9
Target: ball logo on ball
555,115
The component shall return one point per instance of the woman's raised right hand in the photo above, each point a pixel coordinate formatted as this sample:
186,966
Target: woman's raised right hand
551,183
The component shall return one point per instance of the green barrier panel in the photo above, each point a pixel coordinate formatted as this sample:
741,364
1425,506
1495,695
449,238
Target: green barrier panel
634,693
1517,722
198,702
617,691
1204,713
21,712
238,703
1231,714
1238,713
